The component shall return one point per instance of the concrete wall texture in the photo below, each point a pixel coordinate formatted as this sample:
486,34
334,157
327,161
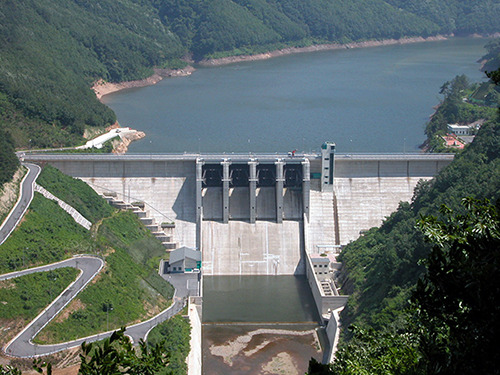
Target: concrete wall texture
324,303
367,188
194,359
241,248
167,188
363,203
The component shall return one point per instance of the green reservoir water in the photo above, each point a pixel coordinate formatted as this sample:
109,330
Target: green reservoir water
366,100
234,299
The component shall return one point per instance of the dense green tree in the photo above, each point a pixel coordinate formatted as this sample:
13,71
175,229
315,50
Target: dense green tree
116,355
458,300
112,356
456,257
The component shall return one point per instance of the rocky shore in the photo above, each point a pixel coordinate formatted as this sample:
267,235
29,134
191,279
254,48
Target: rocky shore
102,88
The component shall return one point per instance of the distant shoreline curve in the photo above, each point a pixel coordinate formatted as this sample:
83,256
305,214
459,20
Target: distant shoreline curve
102,88
319,47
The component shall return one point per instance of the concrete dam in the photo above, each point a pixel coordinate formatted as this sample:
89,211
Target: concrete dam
257,214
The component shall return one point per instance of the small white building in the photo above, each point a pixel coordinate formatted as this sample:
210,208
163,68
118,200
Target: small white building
184,259
459,129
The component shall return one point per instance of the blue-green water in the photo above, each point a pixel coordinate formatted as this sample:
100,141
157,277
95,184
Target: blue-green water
240,299
366,100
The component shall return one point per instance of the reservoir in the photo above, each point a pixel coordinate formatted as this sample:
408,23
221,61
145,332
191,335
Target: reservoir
365,100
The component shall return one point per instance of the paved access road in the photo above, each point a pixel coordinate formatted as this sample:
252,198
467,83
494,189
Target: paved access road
185,284
25,197
22,346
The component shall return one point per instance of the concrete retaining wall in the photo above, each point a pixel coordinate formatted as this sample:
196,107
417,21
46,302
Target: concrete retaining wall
363,203
356,167
167,188
194,359
323,303
332,333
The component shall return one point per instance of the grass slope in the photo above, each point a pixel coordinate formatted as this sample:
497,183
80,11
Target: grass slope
129,283
26,296
47,234
74,192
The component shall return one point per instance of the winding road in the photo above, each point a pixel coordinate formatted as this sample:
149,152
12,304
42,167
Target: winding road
89,266
25,198
22,345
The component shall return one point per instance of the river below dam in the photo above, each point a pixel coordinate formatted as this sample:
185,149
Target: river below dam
259,325
374,99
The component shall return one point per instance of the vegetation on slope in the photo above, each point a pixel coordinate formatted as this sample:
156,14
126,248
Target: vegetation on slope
46,235
8,159
382,267
129,284
445,264
24,297
173,335
74,192
451,326
492,57
128,290
463,103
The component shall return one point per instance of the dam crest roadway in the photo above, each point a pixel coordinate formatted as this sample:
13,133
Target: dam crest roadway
257,214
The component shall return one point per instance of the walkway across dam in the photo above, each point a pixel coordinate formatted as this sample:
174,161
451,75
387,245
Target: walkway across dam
257,213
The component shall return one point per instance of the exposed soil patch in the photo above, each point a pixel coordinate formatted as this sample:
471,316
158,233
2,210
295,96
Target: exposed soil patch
10,328
319,47
73,306
102,88
281,364
10,193
257,342
7,284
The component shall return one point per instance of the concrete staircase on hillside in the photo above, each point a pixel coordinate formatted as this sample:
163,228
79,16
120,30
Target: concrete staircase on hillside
163,232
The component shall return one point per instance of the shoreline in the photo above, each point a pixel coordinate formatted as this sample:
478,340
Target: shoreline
102,88
319,47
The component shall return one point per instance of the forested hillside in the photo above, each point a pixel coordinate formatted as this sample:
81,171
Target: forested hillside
8,159
382,267
465,102
492,58
53,50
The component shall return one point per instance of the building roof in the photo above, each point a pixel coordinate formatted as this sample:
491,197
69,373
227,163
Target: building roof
459,127
451,140
184,252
